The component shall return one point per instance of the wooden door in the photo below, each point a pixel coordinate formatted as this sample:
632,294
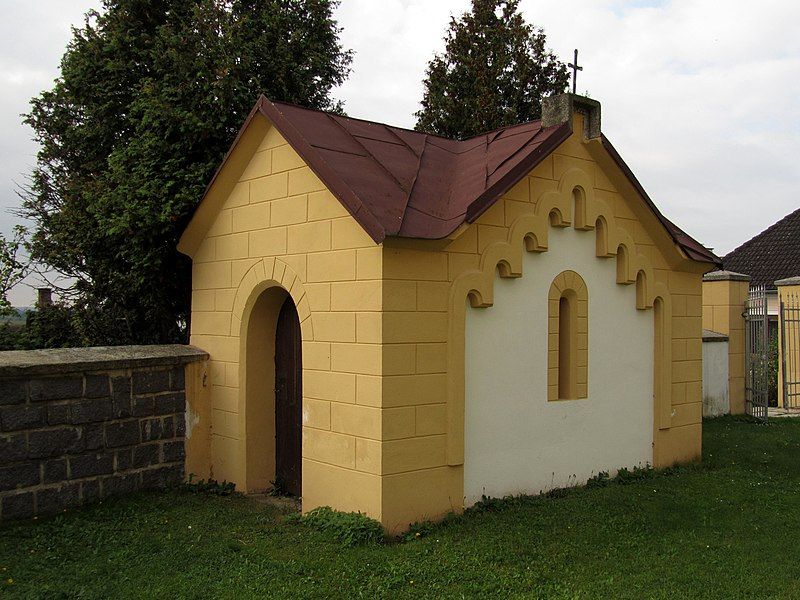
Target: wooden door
288,400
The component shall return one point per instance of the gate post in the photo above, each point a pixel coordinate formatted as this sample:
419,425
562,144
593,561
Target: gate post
724,296
788,334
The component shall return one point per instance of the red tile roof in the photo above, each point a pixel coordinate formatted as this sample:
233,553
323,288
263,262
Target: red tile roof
771,255
398,182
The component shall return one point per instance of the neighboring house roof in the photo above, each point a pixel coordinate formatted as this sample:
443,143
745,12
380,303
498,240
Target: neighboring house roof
771,255
398,182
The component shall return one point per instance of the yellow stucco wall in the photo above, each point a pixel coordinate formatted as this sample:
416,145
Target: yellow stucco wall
723,309
789,343
383,326
279,226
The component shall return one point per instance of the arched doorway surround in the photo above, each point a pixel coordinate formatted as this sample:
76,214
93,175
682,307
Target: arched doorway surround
273,387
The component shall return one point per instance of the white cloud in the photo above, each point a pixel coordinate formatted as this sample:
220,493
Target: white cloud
699,96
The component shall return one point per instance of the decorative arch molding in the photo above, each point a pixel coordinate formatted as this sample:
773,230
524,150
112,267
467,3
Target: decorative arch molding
662,378
573,203
263,274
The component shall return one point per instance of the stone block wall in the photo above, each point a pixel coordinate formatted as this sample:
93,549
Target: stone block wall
77,425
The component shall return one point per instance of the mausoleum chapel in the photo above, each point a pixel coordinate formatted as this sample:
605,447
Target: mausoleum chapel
400,324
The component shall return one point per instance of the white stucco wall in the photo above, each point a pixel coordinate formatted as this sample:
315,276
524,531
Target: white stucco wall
715,379
515,440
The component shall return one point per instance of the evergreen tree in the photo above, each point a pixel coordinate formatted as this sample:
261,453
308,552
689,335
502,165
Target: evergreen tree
150,96
13,267
494,72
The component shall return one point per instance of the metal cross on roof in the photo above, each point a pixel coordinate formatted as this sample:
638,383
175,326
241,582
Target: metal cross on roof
575,68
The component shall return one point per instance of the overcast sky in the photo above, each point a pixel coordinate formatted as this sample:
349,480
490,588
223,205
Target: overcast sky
700,97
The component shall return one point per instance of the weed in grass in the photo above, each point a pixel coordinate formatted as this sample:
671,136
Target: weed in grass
211,487
278,489
600,480
419,530
625,476
422,529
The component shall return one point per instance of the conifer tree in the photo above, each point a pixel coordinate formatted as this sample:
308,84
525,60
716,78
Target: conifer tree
494,72
150,96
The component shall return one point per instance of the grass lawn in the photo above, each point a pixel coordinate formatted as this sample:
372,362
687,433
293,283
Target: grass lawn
728,529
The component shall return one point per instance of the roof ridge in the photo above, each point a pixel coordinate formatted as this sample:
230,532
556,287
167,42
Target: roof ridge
354,204
508,158
402,141
414,181
408,129
497,129
362,120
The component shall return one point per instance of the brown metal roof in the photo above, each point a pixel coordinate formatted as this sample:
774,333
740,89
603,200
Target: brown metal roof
398,182
411,183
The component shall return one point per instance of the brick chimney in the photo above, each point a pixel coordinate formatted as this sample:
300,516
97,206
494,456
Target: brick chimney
45,297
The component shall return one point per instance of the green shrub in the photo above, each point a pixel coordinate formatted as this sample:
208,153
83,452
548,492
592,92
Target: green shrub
351,529
51,326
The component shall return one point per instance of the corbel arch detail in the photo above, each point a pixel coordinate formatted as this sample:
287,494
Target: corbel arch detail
573,203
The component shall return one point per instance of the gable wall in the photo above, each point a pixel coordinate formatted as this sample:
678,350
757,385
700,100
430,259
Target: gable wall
518,438
423,331
281,223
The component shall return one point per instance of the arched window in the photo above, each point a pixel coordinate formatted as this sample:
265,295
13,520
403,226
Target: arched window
566,353
568,338
601,239
579,208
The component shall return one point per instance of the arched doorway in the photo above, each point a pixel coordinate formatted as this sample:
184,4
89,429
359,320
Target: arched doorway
273,391
288,400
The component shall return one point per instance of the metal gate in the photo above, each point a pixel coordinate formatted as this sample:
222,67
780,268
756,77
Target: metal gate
756,352
789,328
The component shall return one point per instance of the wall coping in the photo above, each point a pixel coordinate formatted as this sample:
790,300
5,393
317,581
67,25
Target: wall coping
714,336
725,276
53,361
788,281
